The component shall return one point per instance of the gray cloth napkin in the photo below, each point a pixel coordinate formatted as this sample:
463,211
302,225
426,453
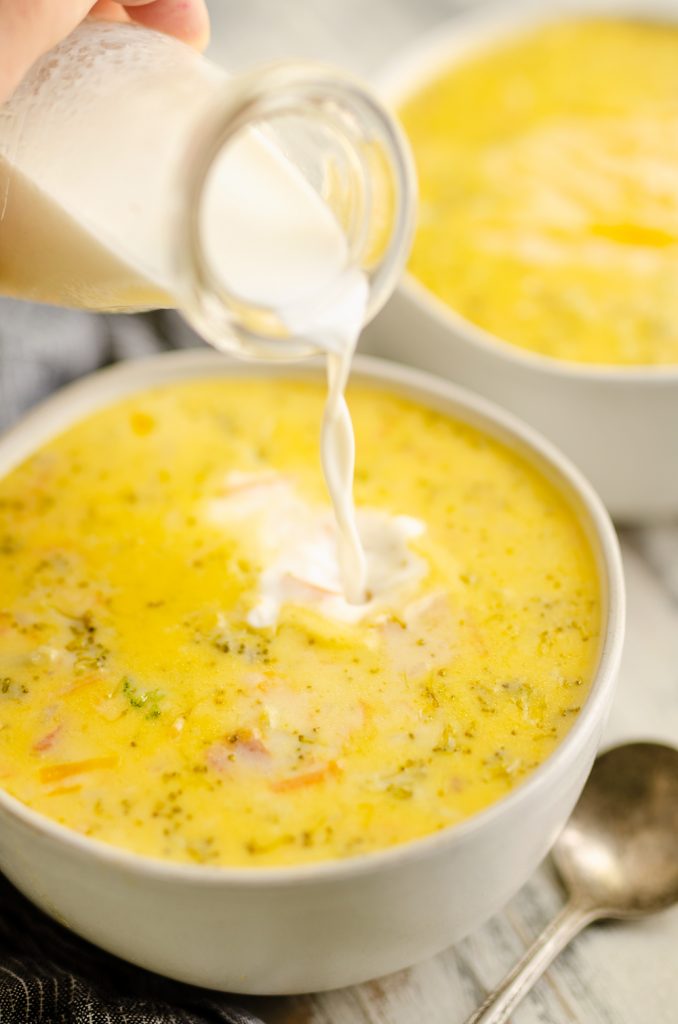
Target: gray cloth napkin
47,975
42,348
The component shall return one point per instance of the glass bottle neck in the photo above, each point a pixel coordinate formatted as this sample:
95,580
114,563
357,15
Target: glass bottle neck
298,181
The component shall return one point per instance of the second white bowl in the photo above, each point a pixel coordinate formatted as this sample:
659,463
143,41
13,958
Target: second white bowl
618,424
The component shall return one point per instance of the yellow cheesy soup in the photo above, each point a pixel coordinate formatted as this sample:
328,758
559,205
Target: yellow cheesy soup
181,676
548,169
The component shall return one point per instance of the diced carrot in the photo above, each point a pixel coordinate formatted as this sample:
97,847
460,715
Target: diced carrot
307,779
57,772
47,741
243,747
64,790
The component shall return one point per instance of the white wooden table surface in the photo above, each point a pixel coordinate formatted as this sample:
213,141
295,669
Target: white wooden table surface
614,974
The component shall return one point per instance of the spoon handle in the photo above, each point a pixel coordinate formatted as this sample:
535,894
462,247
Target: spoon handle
501,1003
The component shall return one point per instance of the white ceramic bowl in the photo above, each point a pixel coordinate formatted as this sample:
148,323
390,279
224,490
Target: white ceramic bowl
284,930
618,424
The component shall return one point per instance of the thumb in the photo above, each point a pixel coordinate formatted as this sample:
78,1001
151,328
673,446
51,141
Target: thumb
185,19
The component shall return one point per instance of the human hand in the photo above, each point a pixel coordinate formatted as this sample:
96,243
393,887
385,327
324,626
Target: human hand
28,28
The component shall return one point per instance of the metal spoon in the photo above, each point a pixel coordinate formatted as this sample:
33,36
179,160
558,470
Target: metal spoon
617,856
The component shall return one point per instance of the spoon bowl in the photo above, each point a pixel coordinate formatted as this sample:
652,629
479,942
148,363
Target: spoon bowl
619,851
617,856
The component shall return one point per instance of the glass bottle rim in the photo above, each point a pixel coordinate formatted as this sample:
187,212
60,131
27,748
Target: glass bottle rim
253,100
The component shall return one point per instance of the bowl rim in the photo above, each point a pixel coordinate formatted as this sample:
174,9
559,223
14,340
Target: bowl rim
457,38
105,387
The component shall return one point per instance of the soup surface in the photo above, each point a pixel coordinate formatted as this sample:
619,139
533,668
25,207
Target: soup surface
548,171
162,689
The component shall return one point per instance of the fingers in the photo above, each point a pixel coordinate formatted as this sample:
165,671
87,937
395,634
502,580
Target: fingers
28,28
109,10
185,19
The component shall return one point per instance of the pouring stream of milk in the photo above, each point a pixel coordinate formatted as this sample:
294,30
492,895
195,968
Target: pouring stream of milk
338,438
345,565
338,459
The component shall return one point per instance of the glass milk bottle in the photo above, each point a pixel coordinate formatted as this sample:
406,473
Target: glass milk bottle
135,174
